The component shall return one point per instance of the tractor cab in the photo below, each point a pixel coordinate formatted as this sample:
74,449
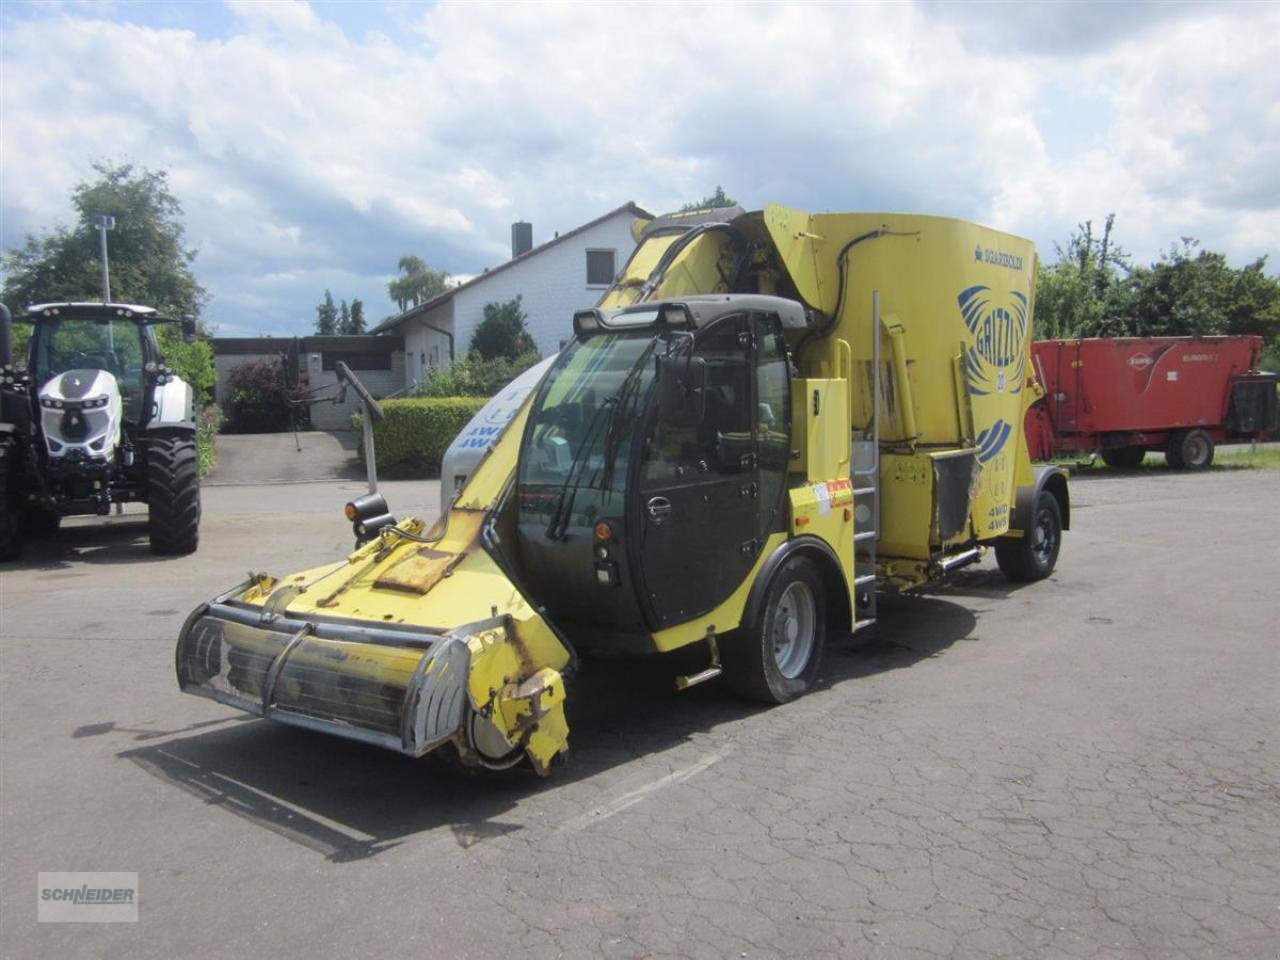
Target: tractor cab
657,444
116,339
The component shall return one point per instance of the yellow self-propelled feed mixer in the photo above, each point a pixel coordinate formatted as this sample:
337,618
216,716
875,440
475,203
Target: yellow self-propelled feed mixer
767,417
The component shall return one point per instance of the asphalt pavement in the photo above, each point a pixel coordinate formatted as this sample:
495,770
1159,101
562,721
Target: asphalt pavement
286,457
1085,767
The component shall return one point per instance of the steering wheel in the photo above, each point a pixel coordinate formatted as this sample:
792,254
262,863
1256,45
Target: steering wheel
95,360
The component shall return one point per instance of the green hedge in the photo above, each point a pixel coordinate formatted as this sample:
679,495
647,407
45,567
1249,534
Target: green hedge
415,432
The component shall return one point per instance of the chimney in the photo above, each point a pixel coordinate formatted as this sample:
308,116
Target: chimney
521,238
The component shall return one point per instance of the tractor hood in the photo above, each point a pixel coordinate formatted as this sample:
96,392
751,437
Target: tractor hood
86,387
80,415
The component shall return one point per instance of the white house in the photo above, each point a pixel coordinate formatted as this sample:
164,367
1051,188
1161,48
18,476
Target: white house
565,274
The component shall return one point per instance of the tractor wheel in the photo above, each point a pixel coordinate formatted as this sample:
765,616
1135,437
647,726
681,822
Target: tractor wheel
173,493
777,658
1034,555
10,512
1124,458
1190,450
39,522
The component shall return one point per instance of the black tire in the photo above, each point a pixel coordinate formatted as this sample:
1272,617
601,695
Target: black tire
777,658
1124,458
39,522
1189,450
10,512
173,493
1033,556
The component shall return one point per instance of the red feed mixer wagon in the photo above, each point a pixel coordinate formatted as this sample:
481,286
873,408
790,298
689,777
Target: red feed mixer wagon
1124,397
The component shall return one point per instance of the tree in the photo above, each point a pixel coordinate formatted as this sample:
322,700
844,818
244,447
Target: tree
355,326
1188,291
417,284
327,317
1191,291
149,262
502,332
344,319
1075,295
717,199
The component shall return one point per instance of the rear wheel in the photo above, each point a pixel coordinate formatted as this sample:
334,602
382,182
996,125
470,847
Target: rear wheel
1124,458
1190,450
1034,555
173,493
10,511
777,658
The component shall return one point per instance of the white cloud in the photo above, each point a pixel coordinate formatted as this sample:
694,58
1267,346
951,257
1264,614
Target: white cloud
301,152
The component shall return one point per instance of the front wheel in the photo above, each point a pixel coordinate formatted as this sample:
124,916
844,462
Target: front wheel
777,658
1034,555
173,494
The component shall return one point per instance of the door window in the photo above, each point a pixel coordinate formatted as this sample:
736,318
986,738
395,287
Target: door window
720,444
772,417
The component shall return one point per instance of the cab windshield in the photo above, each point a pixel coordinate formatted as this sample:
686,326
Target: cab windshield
75,343
82,344
577,446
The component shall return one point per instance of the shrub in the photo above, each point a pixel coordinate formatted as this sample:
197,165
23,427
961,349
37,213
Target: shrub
258,399
415,432
208,420
193,362
475,377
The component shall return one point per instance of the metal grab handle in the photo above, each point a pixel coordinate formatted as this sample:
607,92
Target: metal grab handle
659,509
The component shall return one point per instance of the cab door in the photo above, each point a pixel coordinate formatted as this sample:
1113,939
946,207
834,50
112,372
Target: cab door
697,489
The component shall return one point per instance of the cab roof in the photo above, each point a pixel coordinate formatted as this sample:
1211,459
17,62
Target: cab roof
690,313
91,310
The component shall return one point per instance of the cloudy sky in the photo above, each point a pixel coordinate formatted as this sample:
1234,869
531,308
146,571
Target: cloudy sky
314,144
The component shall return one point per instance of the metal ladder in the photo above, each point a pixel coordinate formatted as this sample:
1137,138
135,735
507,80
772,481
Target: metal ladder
865,474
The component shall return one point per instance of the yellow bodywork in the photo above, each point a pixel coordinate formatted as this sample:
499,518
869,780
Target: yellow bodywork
954,345
514,683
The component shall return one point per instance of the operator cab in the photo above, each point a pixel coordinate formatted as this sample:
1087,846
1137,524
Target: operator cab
654,463
93,336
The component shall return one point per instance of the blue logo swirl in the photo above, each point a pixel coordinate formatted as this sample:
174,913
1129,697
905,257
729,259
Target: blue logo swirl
995,360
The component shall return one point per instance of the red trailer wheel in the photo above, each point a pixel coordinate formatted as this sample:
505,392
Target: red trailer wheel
1124,458
1189,450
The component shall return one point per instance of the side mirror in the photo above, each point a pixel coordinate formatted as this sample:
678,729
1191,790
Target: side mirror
189,328
682,390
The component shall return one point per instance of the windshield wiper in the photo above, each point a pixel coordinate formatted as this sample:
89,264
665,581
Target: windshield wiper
577,469
613,437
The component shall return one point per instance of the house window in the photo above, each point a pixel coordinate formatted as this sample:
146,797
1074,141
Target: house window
600,269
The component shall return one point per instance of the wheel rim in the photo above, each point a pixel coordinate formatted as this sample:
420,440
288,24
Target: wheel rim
793,631
1045,537
1195,454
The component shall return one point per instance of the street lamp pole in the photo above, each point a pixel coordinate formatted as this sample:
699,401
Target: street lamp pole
104,223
